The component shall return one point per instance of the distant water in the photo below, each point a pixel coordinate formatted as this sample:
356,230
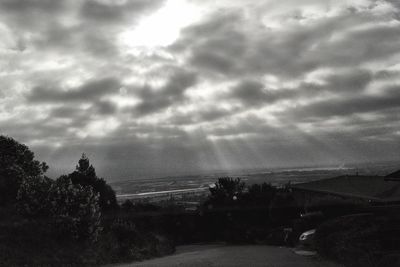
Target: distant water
277,177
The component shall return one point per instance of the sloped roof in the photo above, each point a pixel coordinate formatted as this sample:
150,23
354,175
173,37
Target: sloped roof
365,187
394,175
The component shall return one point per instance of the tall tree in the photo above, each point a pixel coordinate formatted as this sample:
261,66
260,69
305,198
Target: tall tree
85,175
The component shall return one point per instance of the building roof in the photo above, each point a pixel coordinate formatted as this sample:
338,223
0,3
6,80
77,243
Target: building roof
374,188
393,176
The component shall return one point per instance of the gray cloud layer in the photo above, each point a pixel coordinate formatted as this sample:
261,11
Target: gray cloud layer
243,85
171,93
87,92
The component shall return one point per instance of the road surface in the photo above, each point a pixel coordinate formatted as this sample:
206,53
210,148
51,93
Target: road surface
222,255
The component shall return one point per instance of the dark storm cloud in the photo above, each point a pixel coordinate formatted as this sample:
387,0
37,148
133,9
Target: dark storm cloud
30,15
250,92
213,61
34,130
214,113
89,91
248,125
253,93
386,74
105,107
353,81
78,114
223,45
362,103
156,99
366,45
214,44
65,112
31,5
81,39
114,11
203,114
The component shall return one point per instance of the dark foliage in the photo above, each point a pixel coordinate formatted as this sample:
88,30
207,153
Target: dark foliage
236,213
33,197
75,212
358,240
59,223
226,191
284,208
85,175
125,242
261,194
16,163
129,206
32,243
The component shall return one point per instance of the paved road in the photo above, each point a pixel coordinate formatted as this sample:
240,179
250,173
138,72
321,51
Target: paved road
220,255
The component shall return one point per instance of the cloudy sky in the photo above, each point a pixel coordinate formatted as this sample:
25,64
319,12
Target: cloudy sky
152,87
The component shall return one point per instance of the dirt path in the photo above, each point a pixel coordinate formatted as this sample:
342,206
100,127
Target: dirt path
221,255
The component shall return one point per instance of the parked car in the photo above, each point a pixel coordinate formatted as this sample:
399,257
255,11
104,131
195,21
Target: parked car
307,238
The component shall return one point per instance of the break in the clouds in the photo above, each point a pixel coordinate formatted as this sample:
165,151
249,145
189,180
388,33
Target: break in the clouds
153,87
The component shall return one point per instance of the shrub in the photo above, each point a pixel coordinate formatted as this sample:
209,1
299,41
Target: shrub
72,210
125,242
32,243
284,208
226,191
32,197
75,210
354,240
261,194
16,163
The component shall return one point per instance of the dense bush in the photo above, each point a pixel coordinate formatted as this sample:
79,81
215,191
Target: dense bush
71,210
75,210
33,197
125,242
226,191
358,240
32,243
236,213
333,207
283,208
16,163
261,194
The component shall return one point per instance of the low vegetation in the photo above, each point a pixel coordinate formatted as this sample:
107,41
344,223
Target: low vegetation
359,240
75,220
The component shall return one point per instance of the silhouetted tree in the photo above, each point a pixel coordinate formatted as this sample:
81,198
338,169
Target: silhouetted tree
85,175
226,190
16,162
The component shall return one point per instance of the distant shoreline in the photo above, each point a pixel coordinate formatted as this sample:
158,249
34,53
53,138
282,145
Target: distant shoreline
143,194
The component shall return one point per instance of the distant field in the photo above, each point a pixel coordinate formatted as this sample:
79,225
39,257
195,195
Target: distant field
198,184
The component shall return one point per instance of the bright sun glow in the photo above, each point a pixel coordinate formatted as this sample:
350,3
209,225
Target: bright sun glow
163,27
